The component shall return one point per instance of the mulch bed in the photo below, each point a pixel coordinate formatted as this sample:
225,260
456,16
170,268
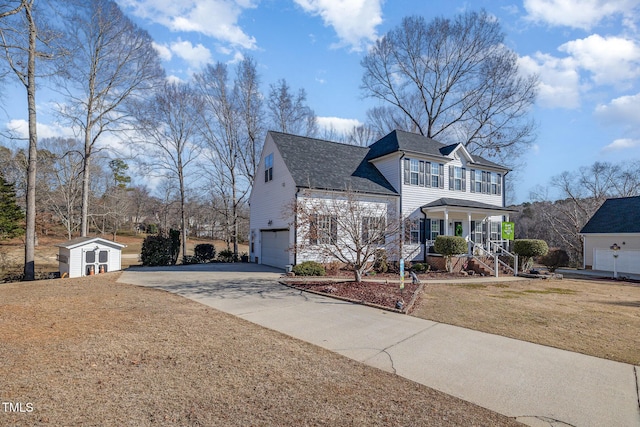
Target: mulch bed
384,294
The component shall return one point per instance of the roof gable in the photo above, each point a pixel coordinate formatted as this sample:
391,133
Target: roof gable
81,241
620,215
320,164
415,143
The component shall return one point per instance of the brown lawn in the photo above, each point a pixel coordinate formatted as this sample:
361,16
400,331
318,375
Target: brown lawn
91,351
596,317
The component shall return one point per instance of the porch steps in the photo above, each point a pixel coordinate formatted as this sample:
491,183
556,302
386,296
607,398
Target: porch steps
482,270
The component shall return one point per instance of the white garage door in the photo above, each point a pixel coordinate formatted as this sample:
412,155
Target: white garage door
275,248
627,261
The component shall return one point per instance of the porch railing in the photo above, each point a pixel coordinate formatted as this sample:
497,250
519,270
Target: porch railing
494,253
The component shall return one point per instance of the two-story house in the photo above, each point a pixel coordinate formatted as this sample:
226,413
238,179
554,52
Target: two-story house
435,189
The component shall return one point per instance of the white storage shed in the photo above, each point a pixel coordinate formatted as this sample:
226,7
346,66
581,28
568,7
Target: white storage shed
86,256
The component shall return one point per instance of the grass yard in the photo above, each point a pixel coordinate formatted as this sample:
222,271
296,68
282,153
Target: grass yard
91,351
596,317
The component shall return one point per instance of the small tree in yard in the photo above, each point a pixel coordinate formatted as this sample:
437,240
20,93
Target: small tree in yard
348,228
11,216
528,249
448,246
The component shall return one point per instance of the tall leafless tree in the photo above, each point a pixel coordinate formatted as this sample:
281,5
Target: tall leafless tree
24,39
111,62
453,80
222,123
170,123
289,112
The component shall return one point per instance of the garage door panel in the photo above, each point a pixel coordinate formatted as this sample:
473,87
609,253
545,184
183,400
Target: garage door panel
627,261
275,248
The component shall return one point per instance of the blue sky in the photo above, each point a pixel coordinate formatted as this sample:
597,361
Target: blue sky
586,52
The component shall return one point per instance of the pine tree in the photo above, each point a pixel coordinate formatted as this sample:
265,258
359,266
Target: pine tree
11,215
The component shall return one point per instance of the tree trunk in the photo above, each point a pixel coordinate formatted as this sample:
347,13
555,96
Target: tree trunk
30,232
84,223
183,216
358,273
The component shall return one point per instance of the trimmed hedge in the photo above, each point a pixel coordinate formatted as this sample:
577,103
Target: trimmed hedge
450,245
156,251
555,258
309,268
529,249
204,252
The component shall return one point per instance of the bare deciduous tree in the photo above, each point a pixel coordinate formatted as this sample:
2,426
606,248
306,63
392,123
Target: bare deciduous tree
170,122
289,112
580,193
453,80
23,39
111,61
349,228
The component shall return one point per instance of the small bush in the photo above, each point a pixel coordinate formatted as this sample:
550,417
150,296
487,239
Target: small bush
448,246
420,268
309,268
380,264
555,258
332,268
191,259
156,251
226,255
528,249
204,252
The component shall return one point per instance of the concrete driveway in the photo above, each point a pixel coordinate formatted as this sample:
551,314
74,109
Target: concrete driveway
537,385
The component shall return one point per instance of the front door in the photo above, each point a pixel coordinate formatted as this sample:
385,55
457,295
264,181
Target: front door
457,228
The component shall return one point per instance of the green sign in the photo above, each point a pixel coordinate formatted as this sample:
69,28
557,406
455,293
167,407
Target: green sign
508,231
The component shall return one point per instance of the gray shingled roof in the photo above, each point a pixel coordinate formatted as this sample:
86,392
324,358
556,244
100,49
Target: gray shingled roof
459,203
615,216
316,163
412,142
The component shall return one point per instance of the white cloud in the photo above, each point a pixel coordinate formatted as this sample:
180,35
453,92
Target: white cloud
163,51
196,56
622,111
622,144
559,80
214,18
584,14
20,128
354,21
337,124
610,60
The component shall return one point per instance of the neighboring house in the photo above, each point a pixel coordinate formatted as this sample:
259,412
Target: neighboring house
86,256
439,189
615,224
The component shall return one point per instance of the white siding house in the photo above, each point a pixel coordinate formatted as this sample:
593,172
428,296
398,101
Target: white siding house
86,256
612,237
434,188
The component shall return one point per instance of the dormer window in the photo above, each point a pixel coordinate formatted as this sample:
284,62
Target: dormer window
268,168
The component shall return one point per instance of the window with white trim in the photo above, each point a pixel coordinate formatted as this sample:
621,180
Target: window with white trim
435,229
437,175
457,178
323,229
495,234
414,171
373,230
485,182
268,168
423,173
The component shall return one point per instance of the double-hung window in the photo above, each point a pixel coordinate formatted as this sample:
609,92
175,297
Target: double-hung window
373,230
435,229
415,172
476,181
457,178
268,168
323,229
437,175
495,234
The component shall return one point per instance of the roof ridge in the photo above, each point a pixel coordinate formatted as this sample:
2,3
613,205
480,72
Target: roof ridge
317,139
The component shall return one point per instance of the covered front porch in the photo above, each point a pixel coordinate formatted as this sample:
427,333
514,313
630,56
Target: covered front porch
479,223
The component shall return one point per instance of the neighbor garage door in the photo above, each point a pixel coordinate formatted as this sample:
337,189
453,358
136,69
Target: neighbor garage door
627,262
275,248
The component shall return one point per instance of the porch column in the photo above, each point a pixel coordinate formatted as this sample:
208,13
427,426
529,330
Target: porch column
469,231
446,222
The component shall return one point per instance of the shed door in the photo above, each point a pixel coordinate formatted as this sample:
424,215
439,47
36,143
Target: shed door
274,249
627,261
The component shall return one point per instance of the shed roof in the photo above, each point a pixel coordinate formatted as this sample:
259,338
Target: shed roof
82,241
320,164
621,215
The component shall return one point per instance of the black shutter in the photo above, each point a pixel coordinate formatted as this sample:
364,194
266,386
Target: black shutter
421,174
334,229
313,230
451,177
464,179
472,187
441,176
422,233
427,174
407,171
499,180
427,229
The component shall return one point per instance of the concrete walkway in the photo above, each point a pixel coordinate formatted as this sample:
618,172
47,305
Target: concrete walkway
537,385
